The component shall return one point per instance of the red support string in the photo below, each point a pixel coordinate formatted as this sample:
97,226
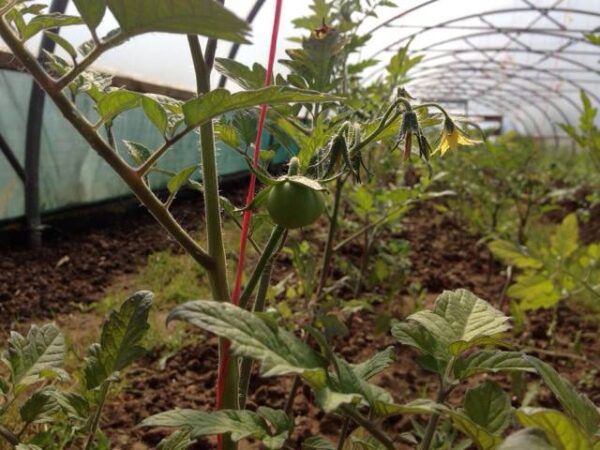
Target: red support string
237,287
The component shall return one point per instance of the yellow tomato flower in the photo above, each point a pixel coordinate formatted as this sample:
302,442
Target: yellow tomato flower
452,137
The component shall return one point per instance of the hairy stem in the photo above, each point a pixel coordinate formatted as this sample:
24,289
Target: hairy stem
97,414
214,233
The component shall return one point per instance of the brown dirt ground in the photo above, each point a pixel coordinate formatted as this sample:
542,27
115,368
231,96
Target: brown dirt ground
443,255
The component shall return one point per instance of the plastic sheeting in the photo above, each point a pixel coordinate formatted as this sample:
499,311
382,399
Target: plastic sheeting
71,173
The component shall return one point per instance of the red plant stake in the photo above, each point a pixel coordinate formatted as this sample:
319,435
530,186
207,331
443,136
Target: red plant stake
237,287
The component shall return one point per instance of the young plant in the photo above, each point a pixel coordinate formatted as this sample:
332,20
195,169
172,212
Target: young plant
554,266
38,410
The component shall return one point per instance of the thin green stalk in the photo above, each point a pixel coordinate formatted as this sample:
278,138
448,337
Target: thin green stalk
259,306
7,7
430,431
583,282
370,226
339,186
265,256
444,390
289,402
362,421
9,436
98,50
97,414
156,155
432,105
86,130
383,124
264,268
343,433
212,214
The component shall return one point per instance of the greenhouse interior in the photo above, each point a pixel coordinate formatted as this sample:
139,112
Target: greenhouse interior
320,224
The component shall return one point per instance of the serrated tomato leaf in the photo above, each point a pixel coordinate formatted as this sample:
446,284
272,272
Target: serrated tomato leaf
119,346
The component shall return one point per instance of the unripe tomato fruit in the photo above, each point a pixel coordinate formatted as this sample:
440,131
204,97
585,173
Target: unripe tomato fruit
294,205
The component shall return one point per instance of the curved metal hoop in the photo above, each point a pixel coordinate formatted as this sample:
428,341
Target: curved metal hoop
493,82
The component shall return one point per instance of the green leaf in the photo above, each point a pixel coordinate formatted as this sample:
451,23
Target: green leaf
205,17
314,62
534,290
490,361
578,406
346,381
514,255
4,386
375,364
413,334
245,77
138,152
220,101
156,113
421,406
227,134
488,406
478,434
39,408
361,439
240,424
179,180
461,320
593,38
528,438
117,102
281,425
42,350
62,42
317,443
279,351
562,433
92,11
46,21
122,334
75,406
330,399
565,239
179,440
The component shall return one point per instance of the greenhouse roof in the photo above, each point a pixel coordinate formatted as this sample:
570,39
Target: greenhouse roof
524,60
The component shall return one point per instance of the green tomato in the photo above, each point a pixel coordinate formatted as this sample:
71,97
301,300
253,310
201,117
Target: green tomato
293,205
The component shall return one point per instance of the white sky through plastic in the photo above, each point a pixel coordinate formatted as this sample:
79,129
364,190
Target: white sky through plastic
502,56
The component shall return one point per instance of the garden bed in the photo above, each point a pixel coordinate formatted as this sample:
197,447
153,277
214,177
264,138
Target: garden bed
443,256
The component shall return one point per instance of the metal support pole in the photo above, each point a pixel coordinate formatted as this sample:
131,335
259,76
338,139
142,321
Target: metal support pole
12,159
32,143
235,47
